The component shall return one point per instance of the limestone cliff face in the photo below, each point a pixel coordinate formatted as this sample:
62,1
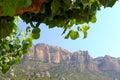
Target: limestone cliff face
48,54
79,60
42,53
82,60
108,63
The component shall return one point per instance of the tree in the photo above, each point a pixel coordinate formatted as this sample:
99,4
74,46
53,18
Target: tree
55,13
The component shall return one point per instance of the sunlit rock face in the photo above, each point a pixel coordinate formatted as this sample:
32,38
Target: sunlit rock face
48,54
79,60
108,63
83,61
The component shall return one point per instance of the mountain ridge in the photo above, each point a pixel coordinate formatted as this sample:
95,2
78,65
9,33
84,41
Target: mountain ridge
47,62
54,54
75,50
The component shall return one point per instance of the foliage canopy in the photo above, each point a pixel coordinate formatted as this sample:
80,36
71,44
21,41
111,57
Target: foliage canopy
54,13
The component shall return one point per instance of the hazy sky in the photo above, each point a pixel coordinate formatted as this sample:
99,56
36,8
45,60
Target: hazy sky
103,36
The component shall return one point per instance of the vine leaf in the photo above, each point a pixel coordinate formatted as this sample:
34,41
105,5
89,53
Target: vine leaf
27,43
6,28
55,6
111,3
107,3
28,29
93,20
6,59
8,7
18,59
24,3
66,4
84,29
35,33
72,34
5,68
35,36
36,30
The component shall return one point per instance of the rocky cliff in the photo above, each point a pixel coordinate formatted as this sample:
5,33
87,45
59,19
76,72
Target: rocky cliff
48,54
79,60
46,62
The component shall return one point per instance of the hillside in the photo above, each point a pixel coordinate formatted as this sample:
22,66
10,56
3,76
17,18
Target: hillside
46,62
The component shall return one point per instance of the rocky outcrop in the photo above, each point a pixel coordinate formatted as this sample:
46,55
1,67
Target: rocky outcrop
108,63
48,54
79,60
43,74
82,60
47,74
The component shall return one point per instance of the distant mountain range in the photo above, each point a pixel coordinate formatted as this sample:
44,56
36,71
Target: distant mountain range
56,63
81,60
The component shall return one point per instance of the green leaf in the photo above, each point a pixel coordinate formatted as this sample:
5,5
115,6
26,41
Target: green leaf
107,3
0,68
17,59
66,4
20,53
17,41
111,3
73,21
7,47
5,68
8,7
36,30
55,6
28,29
6,59
74,34
26,44
6,28
35,35
84,30
24,3
93,20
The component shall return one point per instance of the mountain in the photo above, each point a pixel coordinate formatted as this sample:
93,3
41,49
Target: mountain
48,54
55,63
79,59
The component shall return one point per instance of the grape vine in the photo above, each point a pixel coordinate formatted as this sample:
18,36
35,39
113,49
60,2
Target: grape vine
54,13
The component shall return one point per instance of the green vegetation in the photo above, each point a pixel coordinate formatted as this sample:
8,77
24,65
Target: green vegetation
26,70
54,13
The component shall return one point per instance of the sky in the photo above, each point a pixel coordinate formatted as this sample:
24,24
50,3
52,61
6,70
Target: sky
103,36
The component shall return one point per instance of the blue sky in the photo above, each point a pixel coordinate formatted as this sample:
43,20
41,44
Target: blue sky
103,36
